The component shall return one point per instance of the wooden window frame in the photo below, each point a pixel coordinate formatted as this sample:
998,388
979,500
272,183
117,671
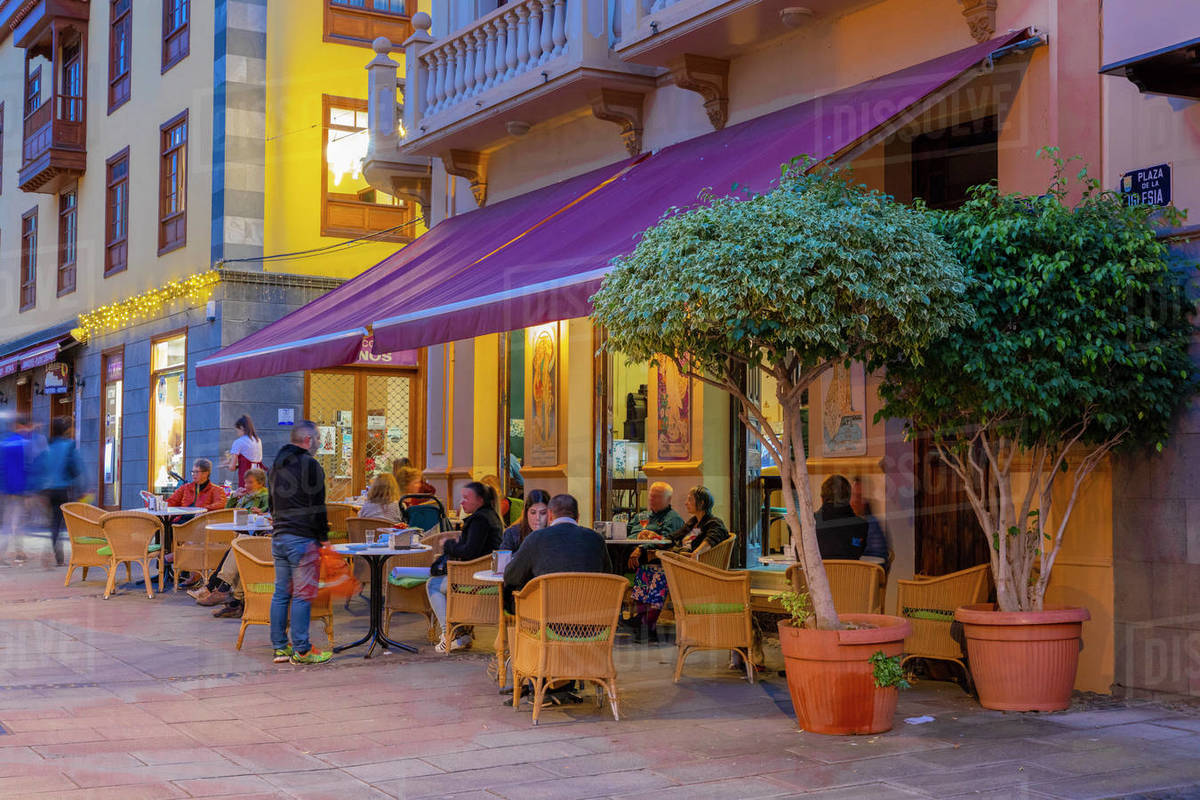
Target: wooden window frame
105,357
361,26
328,200
68,240
120,85
168,221
112,266
28,264
32,78
171,35
1,147
154,373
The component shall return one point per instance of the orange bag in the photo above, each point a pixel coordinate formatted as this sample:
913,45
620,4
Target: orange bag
336,577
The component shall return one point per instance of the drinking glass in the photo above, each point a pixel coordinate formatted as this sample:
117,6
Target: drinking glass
369,537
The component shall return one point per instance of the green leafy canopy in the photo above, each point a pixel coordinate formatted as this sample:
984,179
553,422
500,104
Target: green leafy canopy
818,269
1079,320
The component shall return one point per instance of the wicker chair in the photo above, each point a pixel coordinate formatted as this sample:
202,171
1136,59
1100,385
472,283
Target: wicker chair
720,555
564,627
712,609
337,514
356,527
437,539
408,595
857,586
130,536
468,601
197,549
83,529
256,566
929,603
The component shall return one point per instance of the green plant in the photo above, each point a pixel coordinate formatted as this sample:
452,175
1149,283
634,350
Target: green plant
797,604
887,671
1078,345
818,271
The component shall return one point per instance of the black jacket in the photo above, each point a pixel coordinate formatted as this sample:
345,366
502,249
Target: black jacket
297,494
840,533
480,535
565,547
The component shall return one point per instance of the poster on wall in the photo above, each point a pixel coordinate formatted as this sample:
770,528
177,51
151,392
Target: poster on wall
843,392
327,445
674,412
541,444
376,422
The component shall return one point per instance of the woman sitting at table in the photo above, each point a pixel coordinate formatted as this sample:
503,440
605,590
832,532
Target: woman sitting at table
224,587
536,517
480,536
424,487
701,532
382,499
410,482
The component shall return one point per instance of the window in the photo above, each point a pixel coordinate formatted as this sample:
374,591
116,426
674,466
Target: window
112,401
33,91
1,148
350,206
68,236
168,409
70,98
945,163
29,226
175,32
116,215
361,21
172,185
120,40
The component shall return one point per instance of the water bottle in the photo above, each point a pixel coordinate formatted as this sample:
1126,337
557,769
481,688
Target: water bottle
228,487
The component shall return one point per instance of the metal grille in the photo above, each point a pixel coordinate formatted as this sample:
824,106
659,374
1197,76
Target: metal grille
388,413
331,407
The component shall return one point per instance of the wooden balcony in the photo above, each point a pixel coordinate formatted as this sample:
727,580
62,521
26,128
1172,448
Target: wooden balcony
53,153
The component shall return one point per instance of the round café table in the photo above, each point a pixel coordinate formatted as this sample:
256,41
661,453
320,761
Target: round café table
376,556
487,576
262,527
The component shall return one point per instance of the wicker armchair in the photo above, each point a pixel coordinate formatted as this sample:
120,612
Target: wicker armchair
857,586
929,603
337,514
356,527
197,549
83,529
468,601
256,566
712,609
564,627
130,536
720,555
437,539
408,595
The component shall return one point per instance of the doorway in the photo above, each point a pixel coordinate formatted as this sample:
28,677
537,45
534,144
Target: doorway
948,534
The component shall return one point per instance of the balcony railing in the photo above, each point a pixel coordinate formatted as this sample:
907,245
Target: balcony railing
52,150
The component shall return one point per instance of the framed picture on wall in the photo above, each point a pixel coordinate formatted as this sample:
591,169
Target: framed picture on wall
541,428
843,393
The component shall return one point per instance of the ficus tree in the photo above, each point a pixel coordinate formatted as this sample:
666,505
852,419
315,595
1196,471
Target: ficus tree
815,272
1078,345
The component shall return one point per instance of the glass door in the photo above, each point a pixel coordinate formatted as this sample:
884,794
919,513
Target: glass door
112,395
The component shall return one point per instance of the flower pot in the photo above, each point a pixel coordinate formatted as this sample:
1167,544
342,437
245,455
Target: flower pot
831,679
1023,660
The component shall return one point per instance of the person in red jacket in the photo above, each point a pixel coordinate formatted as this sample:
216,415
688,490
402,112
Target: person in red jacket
200,492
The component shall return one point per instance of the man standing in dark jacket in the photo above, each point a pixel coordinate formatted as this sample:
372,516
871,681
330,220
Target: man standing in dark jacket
297,495
840,532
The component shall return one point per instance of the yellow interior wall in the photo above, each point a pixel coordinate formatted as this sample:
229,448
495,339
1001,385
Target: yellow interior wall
486,398
301,67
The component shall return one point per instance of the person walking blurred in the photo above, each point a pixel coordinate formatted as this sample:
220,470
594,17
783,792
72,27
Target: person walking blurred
17,482
61,471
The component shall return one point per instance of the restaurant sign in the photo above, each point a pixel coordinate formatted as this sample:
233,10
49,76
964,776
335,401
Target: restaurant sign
367,358
56,379
1150,186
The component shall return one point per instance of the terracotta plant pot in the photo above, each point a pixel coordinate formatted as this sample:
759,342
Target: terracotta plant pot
830,677
1023,660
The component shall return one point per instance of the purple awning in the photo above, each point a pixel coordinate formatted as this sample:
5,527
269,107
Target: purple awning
329,331
552,275
32,357
539,257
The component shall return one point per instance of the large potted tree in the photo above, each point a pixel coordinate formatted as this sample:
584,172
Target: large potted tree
1078,345
817,271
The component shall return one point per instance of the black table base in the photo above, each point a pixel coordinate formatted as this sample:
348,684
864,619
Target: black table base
375,631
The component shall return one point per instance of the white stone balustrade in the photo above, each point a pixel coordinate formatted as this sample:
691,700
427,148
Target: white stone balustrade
496,48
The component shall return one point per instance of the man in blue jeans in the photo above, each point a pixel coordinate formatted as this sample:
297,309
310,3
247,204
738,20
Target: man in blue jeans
297,495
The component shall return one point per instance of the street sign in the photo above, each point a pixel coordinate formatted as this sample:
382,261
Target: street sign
1150,186
287,416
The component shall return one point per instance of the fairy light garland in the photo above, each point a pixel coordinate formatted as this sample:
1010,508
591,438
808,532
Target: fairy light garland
196,289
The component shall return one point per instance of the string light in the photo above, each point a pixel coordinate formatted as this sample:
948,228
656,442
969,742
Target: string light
196,289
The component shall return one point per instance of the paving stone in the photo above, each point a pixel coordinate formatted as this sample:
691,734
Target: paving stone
1010,774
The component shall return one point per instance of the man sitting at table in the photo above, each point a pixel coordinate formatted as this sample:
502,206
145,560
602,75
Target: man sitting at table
200,492
840,532
562,546
224,587
660,519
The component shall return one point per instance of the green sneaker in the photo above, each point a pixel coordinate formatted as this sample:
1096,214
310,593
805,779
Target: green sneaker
313,656
284,655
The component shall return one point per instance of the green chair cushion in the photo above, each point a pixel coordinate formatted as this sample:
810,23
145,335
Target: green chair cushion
339,535
715,608
91,540
469,589
930,614
407,583
107,551
259,588
554,636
